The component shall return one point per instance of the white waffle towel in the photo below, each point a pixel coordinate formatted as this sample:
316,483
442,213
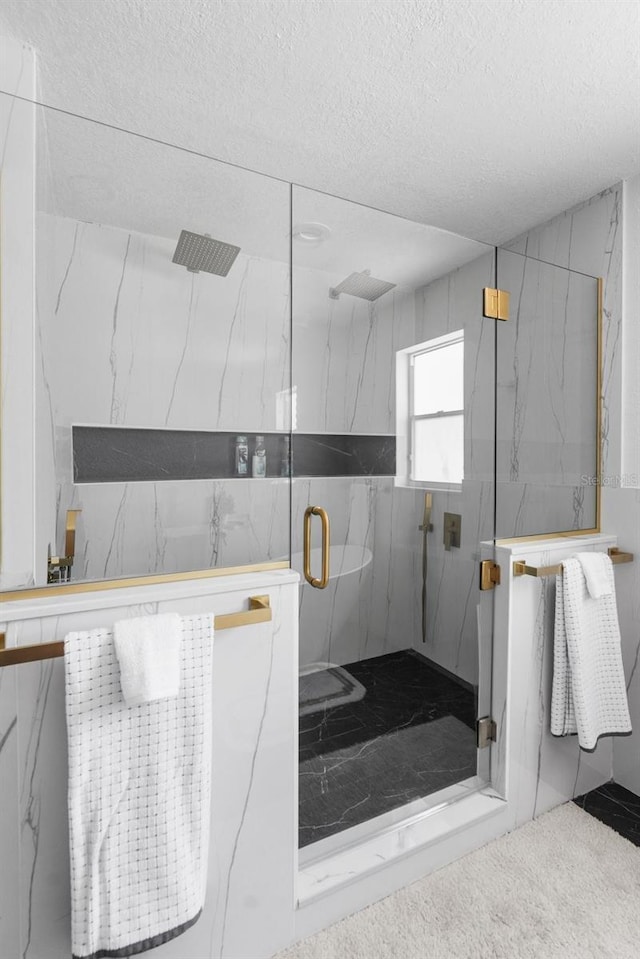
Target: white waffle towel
596,567
148,652
139,797
589,694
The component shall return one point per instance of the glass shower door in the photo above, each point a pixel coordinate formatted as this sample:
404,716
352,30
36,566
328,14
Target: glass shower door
392,493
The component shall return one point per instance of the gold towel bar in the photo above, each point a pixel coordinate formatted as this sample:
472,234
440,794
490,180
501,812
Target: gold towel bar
520,568
259,612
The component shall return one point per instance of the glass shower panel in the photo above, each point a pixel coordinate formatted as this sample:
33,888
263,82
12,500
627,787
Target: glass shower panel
389,675
548,395
163,367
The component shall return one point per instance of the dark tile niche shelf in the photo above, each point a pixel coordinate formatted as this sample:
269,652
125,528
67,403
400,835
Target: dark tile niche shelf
119,454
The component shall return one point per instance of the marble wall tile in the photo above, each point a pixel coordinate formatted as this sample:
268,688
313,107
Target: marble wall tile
126,337
546,398
544,770
344,355
373,604
128,529
17,157
250,893
621,512
9,836
588,238
150,344
528,505
44,841
451,303
452,581
629,294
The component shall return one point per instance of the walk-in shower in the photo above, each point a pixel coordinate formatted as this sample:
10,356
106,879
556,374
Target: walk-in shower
388,648
343,369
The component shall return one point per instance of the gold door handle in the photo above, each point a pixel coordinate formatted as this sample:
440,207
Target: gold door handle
324,519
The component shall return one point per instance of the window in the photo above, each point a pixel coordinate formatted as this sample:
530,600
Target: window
431,438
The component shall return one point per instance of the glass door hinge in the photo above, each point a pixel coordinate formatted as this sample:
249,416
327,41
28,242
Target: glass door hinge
496,304
489,574
485,732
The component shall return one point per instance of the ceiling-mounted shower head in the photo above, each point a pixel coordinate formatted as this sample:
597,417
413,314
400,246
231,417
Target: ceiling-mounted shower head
199,251
364,285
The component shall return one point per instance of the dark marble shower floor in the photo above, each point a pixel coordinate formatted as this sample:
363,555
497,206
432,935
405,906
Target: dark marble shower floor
412,734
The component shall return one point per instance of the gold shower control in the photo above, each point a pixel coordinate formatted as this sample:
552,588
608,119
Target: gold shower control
59,567
452,530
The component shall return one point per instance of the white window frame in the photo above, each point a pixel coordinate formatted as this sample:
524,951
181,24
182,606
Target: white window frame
406,416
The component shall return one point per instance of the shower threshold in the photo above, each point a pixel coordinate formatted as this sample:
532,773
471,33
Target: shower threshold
449,829
390,822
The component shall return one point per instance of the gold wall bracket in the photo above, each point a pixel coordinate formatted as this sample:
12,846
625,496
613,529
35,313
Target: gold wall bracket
520,568
495,304
489,574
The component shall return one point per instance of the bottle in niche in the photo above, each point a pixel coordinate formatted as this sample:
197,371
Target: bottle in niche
242,456
259,461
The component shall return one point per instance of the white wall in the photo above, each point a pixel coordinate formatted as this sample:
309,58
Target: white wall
600,237
126,337
621,498
451,303
17,185
248,909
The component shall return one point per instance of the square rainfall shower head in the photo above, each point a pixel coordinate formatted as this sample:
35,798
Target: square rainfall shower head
363,285
199,252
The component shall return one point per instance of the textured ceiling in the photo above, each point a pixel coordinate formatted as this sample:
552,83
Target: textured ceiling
483,117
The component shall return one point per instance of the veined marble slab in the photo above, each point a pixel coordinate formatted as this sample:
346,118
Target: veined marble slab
251,869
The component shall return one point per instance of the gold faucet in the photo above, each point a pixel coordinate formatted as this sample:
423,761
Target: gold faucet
59,567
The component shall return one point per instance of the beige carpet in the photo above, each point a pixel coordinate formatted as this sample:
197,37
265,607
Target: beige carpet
563,887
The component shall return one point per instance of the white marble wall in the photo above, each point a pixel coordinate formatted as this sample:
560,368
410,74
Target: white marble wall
630,346
372,603
377,609
17,519
451,303
621,512
546,399
126,337
17,173
344,355
537,770
621,506
588,238
134,529
250,891
130,338
344,374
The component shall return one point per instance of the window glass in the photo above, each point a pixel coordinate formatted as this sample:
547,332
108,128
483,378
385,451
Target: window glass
438,449
438,379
